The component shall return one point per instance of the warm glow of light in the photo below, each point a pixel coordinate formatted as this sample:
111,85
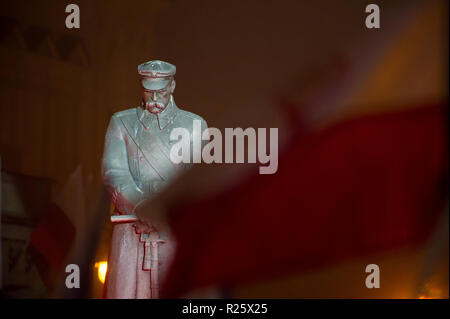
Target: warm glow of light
424,297
102,269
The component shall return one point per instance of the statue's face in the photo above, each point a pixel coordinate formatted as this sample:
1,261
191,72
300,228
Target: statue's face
156,101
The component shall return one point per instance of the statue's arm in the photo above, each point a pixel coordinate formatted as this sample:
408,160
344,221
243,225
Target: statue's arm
124,192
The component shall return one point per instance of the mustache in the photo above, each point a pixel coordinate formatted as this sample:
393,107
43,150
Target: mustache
156,104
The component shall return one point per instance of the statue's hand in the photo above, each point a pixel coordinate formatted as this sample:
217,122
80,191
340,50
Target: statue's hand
143,227
151,214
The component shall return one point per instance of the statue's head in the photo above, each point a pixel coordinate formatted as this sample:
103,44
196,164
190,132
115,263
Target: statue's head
158,84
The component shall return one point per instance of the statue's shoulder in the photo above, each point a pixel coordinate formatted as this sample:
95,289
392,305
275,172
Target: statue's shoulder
189,116
125,113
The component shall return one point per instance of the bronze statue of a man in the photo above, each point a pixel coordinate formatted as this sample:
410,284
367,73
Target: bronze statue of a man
136,165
